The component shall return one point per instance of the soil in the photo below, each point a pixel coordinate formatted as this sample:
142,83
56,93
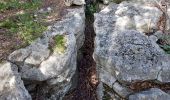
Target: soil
87,80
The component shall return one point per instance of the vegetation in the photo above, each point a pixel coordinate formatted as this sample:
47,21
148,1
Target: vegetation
25,26
91,9
164,43
59,44
22,24
17,4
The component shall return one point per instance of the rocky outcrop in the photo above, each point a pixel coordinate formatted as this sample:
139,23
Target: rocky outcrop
12,87
50,62
124,52
75,2
152,94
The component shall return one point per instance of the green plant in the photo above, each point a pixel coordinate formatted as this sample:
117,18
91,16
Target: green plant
166,48
59,44
165,43
25,26
16,4
91,9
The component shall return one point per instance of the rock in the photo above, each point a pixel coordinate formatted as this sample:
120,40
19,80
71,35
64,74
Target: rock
76,2
12,87
106,2
107,77
47,61
121,90
123,52
121,49
152,94
74,23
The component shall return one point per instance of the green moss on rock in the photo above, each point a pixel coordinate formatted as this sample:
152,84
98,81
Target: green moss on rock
59,44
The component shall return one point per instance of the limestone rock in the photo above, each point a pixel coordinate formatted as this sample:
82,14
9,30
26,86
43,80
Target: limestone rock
123,52
42,62
121,90
152,94
76,2
12,87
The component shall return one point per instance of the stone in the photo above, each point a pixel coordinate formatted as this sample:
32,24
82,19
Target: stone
107,77
76,2
121,47
123,53
12,87
42,62
151,94
123,91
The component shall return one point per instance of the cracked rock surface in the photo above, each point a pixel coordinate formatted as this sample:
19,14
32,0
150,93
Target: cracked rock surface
123,51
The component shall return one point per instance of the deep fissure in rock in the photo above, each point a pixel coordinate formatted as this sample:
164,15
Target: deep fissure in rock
87,79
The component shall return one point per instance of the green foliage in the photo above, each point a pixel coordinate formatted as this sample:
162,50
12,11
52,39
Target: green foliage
117,1
25,26
91,9
166,48
166,43
59,41
16,4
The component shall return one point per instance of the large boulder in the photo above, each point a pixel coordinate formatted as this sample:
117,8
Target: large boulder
12,87
151,94
123,52
52,58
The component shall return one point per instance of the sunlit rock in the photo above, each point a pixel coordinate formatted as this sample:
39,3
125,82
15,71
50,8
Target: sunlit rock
151,94
123,51
12,87
52,59
76,2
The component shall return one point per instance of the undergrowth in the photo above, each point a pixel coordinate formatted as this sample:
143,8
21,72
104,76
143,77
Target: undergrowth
24,24
18,4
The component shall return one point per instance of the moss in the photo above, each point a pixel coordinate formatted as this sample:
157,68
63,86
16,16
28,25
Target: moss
59,44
